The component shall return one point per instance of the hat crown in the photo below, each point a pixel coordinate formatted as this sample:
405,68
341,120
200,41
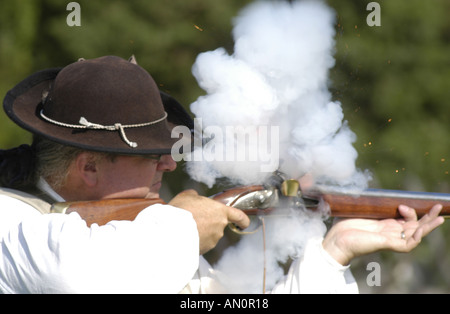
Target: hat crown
106,104
105,90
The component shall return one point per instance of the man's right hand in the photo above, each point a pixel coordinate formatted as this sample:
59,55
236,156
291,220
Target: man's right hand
211,217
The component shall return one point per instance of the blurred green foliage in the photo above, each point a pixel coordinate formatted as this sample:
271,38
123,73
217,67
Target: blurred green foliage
393,82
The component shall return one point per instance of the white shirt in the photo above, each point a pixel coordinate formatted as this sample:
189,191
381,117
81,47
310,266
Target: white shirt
57,253
155,253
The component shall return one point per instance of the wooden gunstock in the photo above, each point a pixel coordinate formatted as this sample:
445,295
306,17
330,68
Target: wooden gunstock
381,204
103,211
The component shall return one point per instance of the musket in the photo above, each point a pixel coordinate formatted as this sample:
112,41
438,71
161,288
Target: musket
280,197
260,201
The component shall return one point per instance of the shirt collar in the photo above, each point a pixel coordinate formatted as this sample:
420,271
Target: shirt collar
47,189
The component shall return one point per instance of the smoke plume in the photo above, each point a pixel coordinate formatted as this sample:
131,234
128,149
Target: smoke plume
274,86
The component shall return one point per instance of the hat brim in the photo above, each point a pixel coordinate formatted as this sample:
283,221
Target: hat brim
22,105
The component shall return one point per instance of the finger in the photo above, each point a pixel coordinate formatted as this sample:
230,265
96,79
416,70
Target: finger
434,211
407,212
430,226
423,231
432,214
427,223
238,217
414,241
407,244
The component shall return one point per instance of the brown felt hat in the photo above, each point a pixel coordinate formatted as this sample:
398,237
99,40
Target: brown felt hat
107,104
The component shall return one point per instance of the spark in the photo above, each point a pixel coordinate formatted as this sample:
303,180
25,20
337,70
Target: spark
198,27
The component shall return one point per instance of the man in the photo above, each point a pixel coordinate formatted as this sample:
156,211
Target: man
102,131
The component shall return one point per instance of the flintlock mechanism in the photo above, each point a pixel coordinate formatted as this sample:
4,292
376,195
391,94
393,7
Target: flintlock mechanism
257,201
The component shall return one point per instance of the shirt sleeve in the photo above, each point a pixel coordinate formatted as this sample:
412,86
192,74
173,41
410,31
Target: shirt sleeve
317,272
158,252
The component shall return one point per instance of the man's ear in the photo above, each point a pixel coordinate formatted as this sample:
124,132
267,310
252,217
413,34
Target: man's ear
86,168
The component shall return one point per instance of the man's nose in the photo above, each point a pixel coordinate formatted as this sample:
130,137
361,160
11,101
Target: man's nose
166,163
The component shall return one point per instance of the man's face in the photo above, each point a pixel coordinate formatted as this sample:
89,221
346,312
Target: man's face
132,176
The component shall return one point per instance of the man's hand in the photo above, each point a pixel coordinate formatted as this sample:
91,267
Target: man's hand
350,238
211,217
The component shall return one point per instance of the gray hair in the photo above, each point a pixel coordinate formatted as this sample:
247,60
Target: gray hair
53,160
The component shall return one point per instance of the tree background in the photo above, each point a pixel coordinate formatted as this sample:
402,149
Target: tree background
393,82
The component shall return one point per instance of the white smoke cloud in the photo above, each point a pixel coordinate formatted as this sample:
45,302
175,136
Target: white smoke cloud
277,77
241,268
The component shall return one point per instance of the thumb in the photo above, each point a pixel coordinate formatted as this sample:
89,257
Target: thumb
190,192
238,217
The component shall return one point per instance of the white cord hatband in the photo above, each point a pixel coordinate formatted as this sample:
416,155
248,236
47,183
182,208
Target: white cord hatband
85,124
